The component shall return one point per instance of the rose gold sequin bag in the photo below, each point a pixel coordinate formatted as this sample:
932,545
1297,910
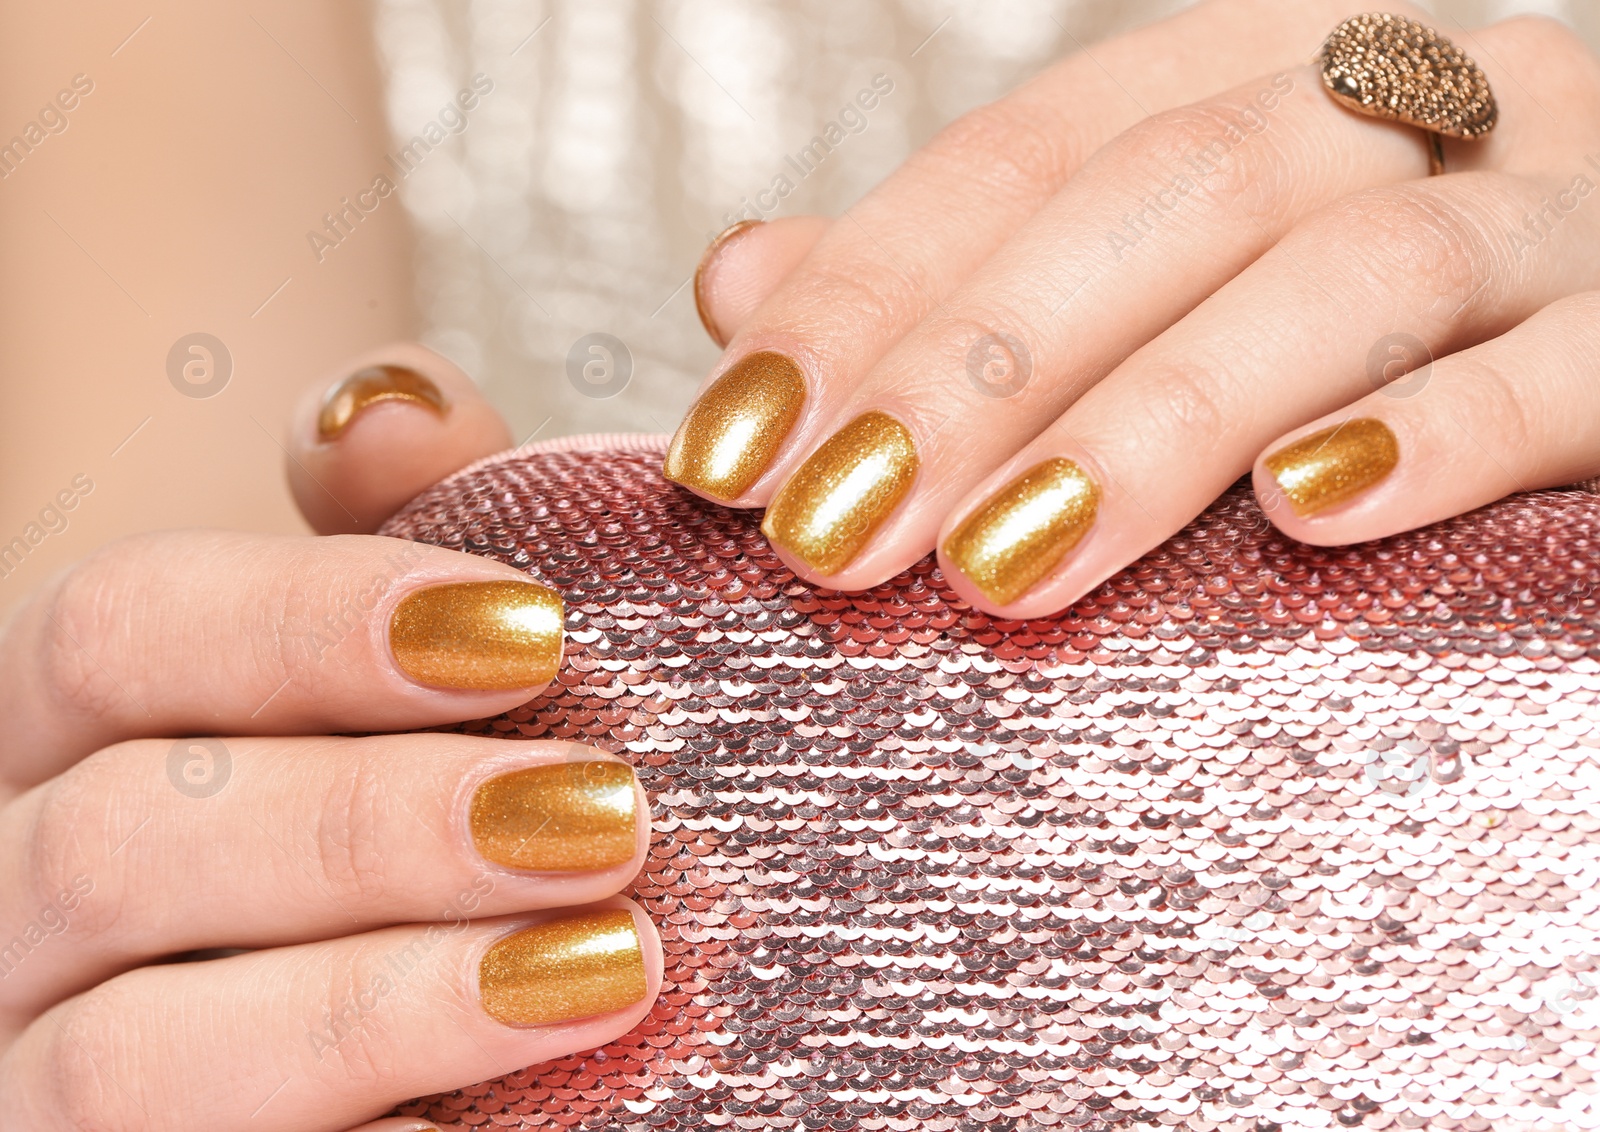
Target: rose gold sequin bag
1257,836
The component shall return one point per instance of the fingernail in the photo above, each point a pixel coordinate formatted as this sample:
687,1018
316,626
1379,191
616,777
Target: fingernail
734,430
479,635
577,816
577,967
346,400
702,304
1025,529
828,510
1328,467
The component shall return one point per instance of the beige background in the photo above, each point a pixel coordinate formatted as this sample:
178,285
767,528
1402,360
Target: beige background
621,135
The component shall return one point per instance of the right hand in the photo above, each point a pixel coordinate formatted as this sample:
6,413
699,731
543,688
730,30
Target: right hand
356,885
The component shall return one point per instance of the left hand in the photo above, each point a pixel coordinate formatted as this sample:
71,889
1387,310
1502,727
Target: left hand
1233,283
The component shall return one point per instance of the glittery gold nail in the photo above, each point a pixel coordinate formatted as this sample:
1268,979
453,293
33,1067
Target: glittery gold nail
346,400
1023,530
828,509
701,274
1328,467
573,816
577,967
734,430
481,635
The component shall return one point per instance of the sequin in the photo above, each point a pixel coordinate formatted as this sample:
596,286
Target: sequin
1256,836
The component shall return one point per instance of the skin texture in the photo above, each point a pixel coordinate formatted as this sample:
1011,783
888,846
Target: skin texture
1240,312
324,856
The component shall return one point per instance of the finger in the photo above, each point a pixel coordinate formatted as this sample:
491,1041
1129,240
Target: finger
745,264
406,1124
1158,220
188,633
386,425
1306,330
897,254
327,1035
157,848
1519,412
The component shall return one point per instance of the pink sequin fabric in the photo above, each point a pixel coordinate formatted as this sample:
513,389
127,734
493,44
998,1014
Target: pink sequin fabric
1258,836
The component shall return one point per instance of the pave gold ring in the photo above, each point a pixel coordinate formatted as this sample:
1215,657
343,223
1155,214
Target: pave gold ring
1388,66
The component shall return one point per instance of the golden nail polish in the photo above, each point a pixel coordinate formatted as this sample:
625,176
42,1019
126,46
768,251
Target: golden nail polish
714,249
346,400
734,430
1328,467
1023,530
573,816
480,635
561,970
828,509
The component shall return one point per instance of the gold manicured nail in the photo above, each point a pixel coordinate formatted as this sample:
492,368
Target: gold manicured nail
480,635
828,509
346,400
734,430
1023,530
713,250
577,967
1328,467
574,816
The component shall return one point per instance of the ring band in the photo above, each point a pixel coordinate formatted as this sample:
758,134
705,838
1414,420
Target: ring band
1387,66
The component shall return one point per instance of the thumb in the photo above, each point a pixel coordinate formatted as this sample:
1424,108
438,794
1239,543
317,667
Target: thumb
389,423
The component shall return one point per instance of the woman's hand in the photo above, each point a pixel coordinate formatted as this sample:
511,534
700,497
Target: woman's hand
1065,326
415,912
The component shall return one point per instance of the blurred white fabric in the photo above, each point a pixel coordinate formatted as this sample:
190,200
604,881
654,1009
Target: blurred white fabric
619,136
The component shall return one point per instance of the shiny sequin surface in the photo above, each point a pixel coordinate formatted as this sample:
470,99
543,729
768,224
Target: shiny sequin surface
1258,836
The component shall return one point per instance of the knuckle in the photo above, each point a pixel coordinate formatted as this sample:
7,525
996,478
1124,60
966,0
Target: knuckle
349,849
1554,58
870,293
354,1038
65,845
79,1037
80,615
1186,401
1012,146
1208,142
1497,394
1406,238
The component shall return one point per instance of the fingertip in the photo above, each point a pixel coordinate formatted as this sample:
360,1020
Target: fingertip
384,426
745,264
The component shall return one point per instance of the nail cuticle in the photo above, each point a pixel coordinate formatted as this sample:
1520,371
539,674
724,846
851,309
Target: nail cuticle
351,397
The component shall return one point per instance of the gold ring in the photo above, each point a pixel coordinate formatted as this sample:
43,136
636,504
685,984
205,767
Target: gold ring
1388,66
